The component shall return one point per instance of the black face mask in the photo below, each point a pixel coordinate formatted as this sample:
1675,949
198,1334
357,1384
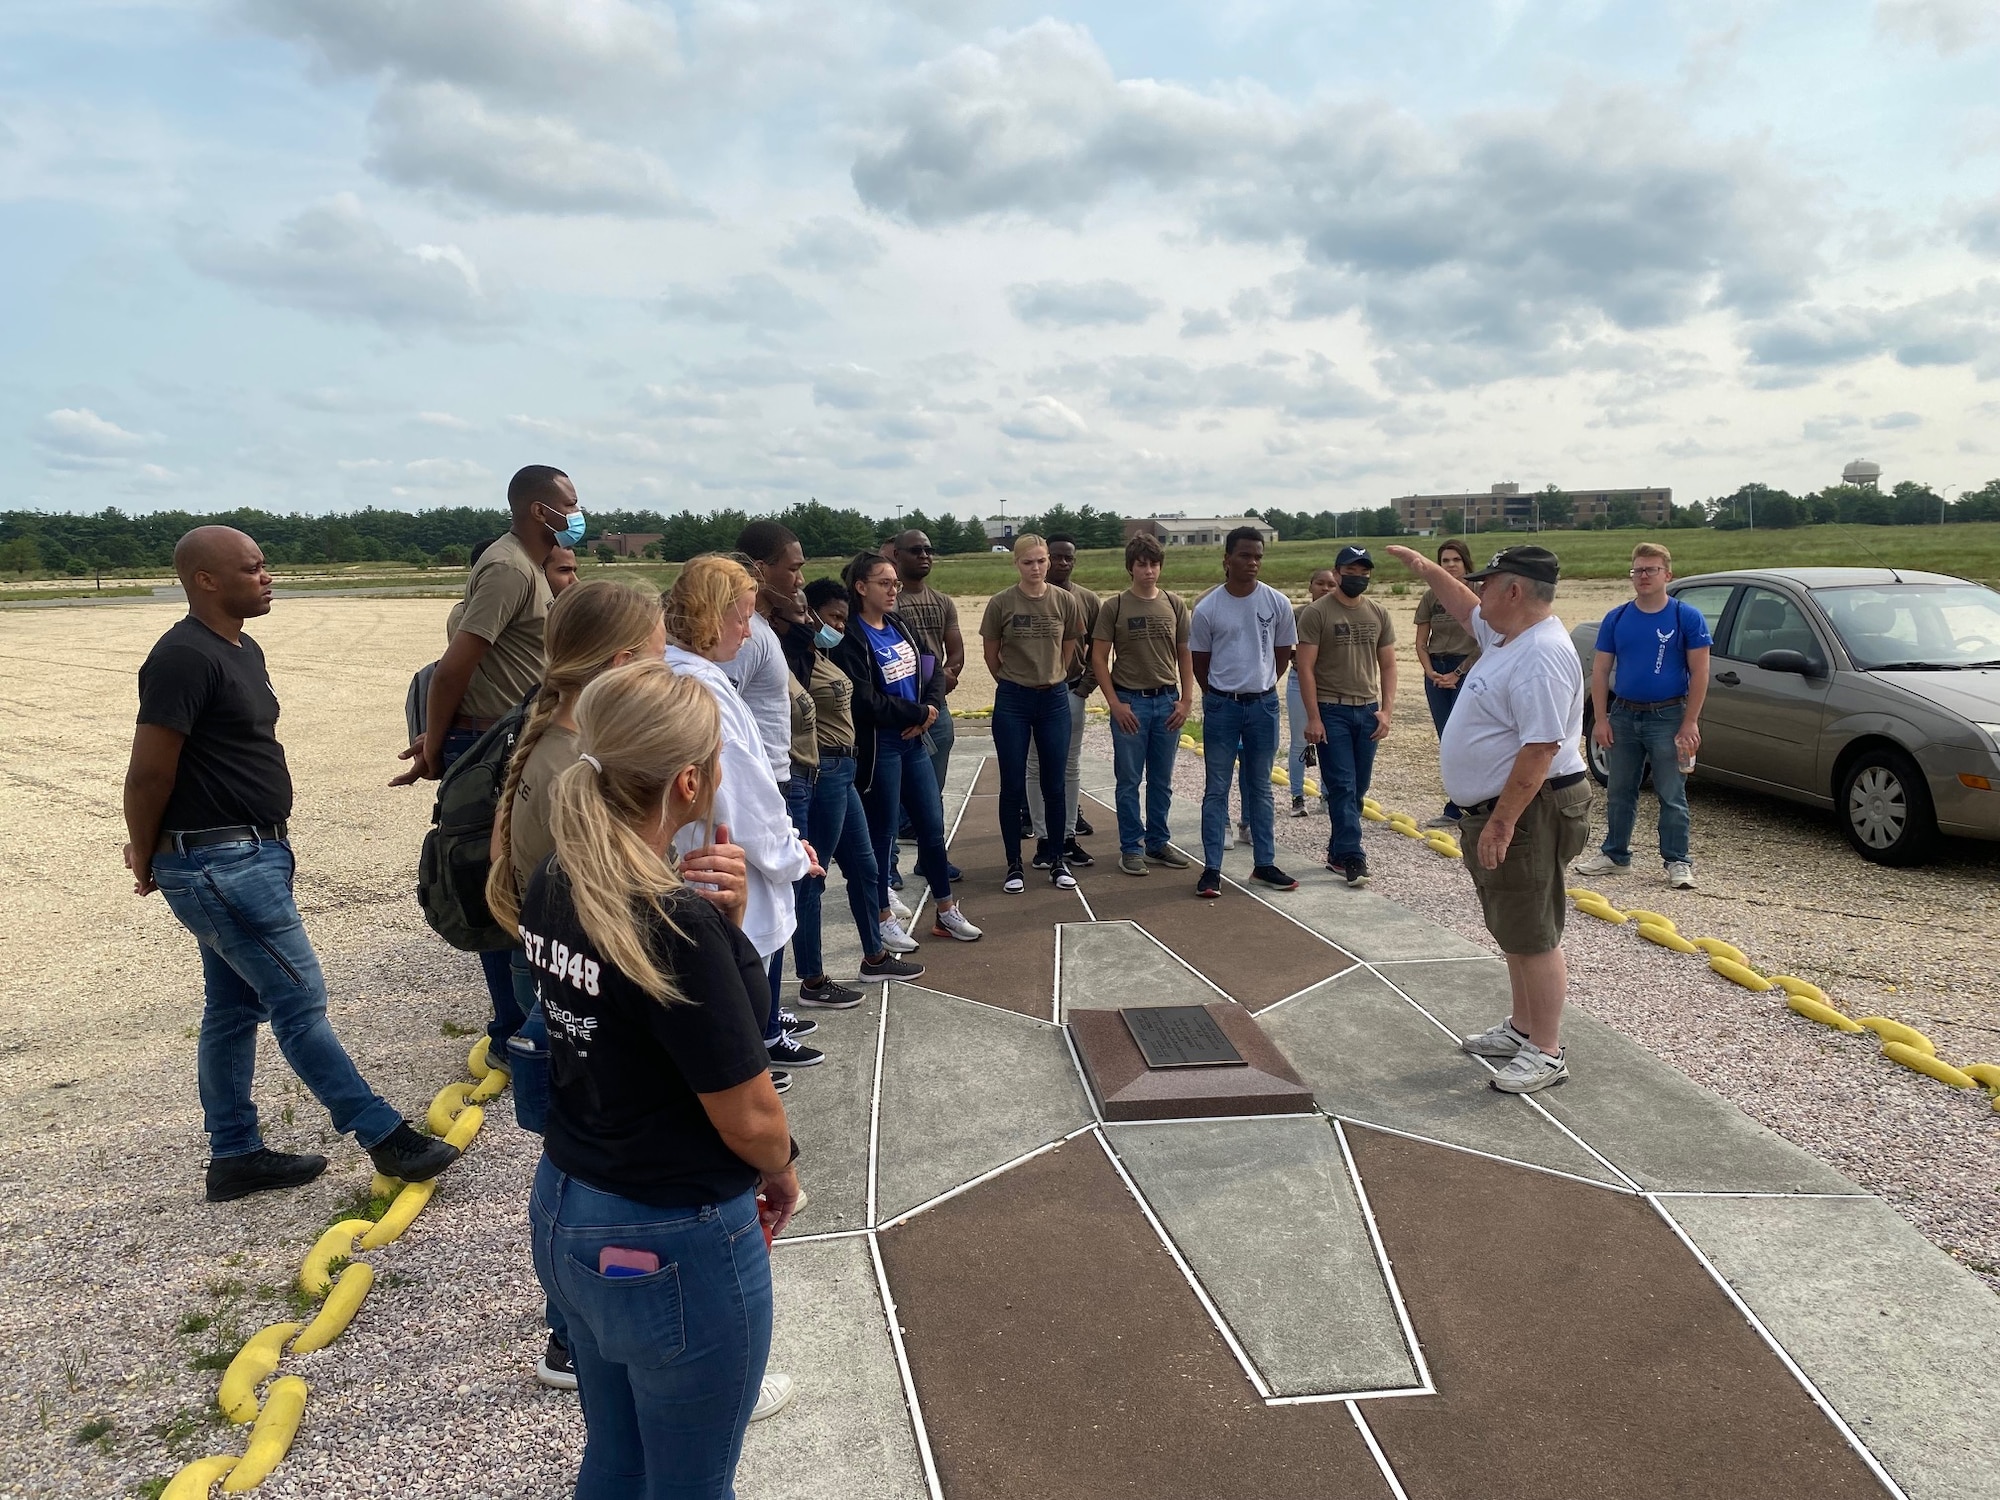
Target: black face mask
1354,585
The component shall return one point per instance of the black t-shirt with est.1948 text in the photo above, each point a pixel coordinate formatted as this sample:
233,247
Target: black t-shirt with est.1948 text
219,697
624,1069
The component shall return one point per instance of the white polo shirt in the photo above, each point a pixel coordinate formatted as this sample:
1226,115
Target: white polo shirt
1527,690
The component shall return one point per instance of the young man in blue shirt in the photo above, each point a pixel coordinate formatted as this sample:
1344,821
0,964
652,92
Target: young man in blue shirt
1646,690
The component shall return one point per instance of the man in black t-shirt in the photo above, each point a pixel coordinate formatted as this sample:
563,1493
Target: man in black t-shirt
207,793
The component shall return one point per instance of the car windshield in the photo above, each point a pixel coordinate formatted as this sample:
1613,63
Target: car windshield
1916,626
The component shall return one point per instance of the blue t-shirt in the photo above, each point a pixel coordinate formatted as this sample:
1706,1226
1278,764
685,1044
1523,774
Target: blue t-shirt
1651,650
896,657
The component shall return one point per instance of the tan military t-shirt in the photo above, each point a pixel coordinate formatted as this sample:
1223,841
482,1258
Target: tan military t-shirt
1031,633
528,839
507,602
1080,678
1348,637
805,726
833,704
1448,637
1146,637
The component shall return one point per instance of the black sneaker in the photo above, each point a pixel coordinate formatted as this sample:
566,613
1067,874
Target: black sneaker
781,1081
895,878
412,1157
554,1368
1045,855
1075,854
1168,856
827,995
1356,869
888,966
1060,877
259,1171
1209,887
1083,828
786,1052
796,1024
1274,877
1014,884
952,872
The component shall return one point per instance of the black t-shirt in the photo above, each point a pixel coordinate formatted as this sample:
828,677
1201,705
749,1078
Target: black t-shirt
624,1069
232,768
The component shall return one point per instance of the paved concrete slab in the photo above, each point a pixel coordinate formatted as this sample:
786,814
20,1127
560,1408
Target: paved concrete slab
1265,1213
1116,965
1368,925
1468,996
1898,1336
966,1088
828,1107
1369,1055
847,1432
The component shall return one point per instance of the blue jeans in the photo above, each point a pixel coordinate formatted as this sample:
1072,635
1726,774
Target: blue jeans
837,828
1637,738
1295,724
1346,765
528,1050
668,1364
798,803
1442,701
1150,753
1233,732
1021,716
903,783
257,965
507,1013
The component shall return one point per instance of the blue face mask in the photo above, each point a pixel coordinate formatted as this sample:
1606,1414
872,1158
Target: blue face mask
572,531
826,638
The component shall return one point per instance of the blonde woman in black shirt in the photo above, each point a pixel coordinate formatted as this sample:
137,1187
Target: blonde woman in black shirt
667,1158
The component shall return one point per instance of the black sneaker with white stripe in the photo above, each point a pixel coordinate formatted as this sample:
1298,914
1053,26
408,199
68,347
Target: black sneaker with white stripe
888,966
789,1052
554,1369
826,995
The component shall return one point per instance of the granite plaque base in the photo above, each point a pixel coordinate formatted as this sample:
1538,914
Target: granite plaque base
1127,1089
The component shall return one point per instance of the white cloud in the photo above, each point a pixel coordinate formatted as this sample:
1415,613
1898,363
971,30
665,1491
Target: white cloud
445,420
1949,25
445,473
1079,304
77,432
1952,328
756,299
335,261
1979,227
1896,420
1043,419
1160,389
1202,323
831,245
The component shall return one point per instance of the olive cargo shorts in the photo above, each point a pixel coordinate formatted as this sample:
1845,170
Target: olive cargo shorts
1523,901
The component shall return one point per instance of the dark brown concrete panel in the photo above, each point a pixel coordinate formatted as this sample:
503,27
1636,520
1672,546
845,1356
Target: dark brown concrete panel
1128,1090
1578,1348
1059,1354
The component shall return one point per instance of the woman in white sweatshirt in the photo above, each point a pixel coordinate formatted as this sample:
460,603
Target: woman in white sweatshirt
708,613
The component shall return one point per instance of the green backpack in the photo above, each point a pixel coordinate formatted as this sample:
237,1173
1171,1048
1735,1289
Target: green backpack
451,871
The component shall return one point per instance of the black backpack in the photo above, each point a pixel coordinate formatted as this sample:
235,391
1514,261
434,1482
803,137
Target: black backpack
451,871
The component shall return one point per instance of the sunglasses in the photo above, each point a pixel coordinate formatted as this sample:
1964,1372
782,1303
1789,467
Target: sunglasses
919,551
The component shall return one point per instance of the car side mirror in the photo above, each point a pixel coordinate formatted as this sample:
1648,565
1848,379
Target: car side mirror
1788,661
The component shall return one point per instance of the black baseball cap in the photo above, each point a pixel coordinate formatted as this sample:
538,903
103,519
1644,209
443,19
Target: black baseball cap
1528,561
1354,555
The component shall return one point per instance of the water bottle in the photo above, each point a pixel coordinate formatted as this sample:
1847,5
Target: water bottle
1686,760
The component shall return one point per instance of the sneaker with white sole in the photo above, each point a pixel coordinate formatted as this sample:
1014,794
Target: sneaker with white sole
1600,864
1014,884
899,909
1228,836
1496,1041
1167,857
826,995
1530,1069
788,1052
953,923
555,1369
888,966
1060,877
1298,807
1134,864
1680,875
896,940
797,1024
773,1396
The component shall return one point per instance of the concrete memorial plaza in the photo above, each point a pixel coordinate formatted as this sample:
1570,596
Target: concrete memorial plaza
1405,1284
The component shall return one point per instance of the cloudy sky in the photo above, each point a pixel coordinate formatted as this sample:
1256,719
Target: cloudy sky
316,254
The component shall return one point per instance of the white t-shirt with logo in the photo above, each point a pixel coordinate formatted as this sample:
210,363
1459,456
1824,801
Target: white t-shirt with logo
1239,635
1527,690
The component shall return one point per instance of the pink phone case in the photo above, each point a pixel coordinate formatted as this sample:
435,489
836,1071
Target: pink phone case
612,1261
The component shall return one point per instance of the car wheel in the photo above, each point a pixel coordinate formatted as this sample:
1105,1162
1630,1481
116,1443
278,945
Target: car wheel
1598,758
1885,808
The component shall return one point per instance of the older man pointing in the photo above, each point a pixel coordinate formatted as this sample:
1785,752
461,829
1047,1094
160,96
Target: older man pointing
1510,758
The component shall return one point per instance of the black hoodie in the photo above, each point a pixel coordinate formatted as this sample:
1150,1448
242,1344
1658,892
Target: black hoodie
875,707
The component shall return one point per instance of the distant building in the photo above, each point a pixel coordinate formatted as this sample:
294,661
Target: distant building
1178,531
628,543
1504,507
999,533
1862,474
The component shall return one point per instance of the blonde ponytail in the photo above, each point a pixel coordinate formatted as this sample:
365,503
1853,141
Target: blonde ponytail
643,725
589,625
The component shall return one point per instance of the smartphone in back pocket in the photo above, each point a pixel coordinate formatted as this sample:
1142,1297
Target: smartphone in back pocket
612,1261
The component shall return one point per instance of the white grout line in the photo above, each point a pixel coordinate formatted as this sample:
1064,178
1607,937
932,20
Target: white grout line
1088,910
1200,1292
1190,967
1317,1399
1295,921
1544,1111
1019,1015
1004,1167
1382,1260
1076,1061
1512,1161
1375,1451
813,1239
875,1100
1837,1197
1301,994
1860,1448
903,1367
1055,983
1462,958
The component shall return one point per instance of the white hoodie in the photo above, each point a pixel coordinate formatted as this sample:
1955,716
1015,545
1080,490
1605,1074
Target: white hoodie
750,805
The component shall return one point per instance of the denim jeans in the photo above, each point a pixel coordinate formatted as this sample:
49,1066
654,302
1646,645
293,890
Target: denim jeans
1233,733
944,734
1346,765
838,831
1150,753
1079,709
507,1014
1023,716
1295,723
805,902
528,1050
904,782
668,1364
1442,701
1637,738
257,965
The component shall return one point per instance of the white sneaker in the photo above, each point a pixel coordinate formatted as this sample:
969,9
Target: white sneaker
1600,864
901,912
952,923
895,939
1680,875
773,1397
1530,1069
1496,1041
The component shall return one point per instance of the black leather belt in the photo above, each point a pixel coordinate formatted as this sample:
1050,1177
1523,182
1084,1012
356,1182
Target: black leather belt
1241,697
839,752
1145,692
1646,708
1553,784
200,838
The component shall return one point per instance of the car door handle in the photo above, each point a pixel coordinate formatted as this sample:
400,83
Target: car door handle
1727,679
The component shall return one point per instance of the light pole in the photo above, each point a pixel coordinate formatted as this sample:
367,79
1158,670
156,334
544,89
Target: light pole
1942,498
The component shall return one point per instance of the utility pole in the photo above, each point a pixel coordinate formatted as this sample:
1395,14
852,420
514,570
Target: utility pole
1942,498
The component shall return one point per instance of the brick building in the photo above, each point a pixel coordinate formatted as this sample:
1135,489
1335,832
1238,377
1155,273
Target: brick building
1505,508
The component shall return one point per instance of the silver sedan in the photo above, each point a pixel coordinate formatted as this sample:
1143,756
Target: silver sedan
1874,692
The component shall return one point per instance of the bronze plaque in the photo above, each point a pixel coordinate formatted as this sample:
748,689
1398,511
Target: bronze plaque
1180,1036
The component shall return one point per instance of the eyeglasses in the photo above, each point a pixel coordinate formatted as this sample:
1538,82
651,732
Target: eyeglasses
1646,572
919,551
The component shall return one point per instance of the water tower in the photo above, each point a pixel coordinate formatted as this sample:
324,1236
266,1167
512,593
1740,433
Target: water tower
1862,474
